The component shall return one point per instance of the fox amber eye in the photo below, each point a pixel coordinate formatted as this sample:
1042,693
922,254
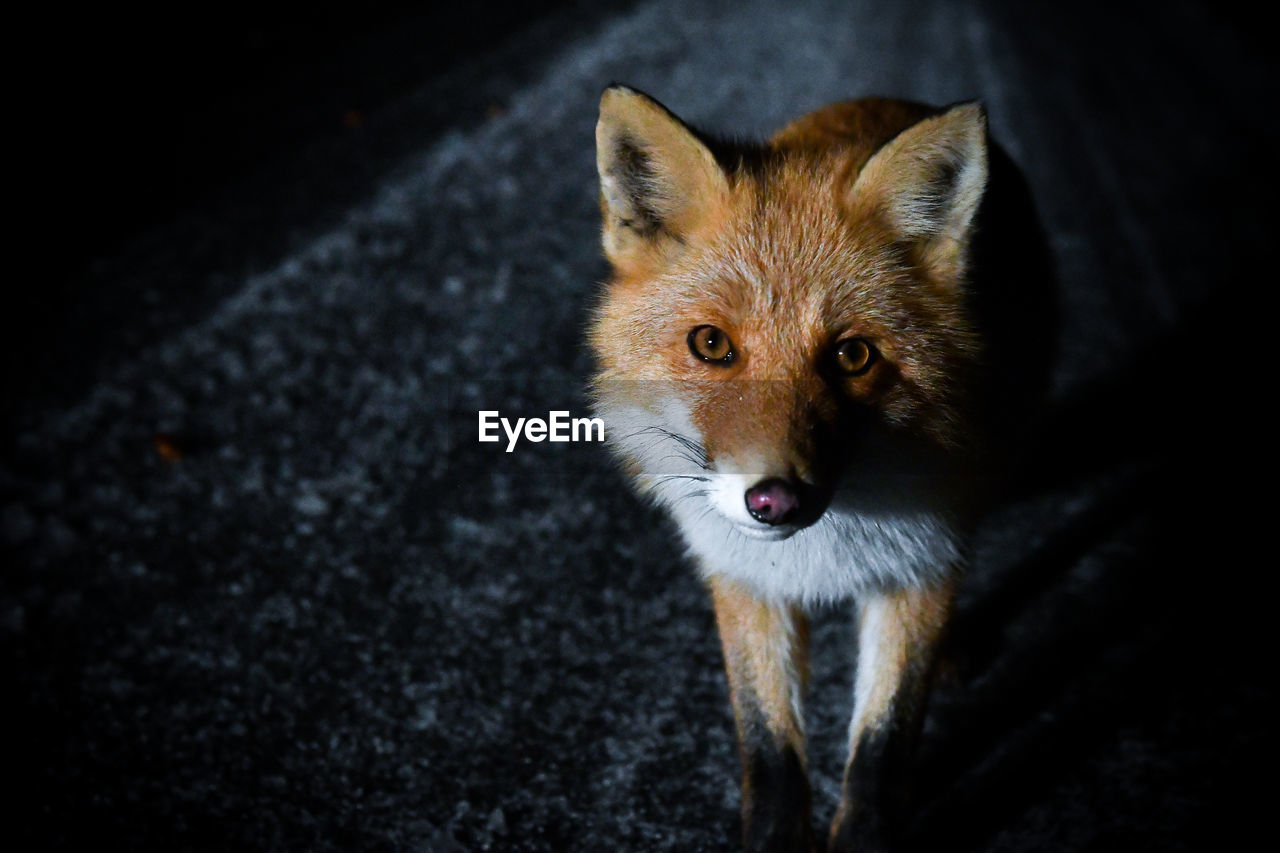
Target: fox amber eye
711,344
854,356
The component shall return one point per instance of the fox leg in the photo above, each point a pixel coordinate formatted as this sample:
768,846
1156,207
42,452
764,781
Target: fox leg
766,648
898,633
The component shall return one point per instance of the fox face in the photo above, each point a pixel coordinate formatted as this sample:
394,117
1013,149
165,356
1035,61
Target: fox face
786,356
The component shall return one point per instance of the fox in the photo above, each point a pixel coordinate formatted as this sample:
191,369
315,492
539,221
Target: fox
790,361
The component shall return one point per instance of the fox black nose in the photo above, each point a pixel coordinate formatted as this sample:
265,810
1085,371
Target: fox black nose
772,501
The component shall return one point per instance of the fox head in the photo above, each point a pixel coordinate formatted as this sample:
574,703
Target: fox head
786,322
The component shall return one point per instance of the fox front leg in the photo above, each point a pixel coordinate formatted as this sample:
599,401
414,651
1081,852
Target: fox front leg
898,634
766,649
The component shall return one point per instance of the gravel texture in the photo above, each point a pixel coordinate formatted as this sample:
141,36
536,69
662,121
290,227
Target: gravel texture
265,591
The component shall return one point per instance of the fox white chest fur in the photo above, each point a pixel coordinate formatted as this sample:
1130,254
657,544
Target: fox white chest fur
786,365
893,523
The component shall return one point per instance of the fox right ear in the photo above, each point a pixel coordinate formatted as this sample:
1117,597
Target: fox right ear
658,182
927,184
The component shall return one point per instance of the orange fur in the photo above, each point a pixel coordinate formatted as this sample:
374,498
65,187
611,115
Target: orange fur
783,262
907,626
851,223
766,649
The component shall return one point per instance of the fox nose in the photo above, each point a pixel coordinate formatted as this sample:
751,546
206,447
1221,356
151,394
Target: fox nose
772,501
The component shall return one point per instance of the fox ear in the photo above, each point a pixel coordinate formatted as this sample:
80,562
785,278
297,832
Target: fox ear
658,181
927,183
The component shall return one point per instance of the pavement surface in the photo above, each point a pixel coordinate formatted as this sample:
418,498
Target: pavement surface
263,590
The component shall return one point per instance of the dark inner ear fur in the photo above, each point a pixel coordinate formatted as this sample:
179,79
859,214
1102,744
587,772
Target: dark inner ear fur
927,183
634,171
942,185
659,182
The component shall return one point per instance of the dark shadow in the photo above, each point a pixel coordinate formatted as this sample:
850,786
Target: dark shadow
1013,292
1115,620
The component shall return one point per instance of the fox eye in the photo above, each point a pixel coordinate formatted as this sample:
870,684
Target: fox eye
854,356
712,344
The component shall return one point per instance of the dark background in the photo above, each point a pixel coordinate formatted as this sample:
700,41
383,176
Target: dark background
262,590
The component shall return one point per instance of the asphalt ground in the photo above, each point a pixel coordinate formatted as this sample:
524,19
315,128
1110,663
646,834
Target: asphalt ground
264,591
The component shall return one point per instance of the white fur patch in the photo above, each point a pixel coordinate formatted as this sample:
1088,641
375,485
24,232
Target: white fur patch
887,526
870,634
841,555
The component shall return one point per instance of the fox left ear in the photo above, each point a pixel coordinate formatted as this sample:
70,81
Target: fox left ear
927,183
658,182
